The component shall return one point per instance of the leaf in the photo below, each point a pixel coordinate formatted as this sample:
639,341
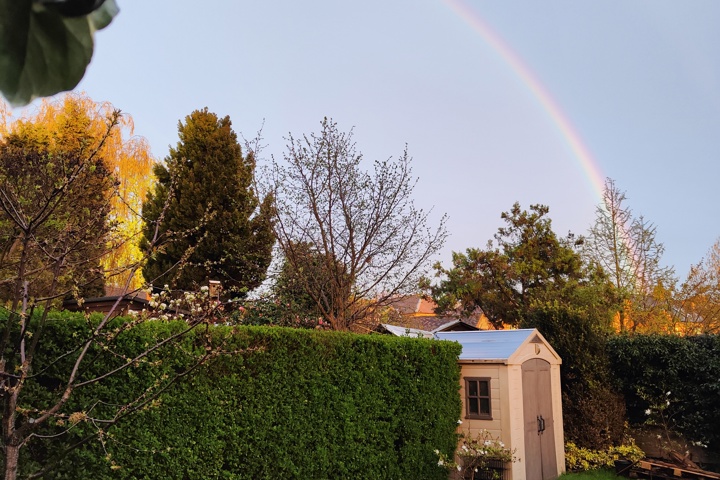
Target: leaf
42,52
102,17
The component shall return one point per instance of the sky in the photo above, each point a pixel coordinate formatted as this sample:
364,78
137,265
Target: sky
497,101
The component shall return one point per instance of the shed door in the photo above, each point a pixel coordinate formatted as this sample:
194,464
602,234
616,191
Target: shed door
540,461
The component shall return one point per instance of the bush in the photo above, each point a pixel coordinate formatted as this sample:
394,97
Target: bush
582,459
286,404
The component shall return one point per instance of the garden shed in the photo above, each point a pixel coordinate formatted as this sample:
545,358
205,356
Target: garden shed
510,386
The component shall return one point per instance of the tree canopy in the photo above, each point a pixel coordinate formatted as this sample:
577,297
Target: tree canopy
528,264
75,121
206,212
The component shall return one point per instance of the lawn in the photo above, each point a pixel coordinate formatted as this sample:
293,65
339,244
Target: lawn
591,475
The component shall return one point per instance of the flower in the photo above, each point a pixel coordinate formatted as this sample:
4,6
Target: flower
648,411
440,463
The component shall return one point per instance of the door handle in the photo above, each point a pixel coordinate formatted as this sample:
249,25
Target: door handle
541,424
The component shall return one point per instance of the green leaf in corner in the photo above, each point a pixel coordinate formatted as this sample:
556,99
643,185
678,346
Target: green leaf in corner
42,52
102,17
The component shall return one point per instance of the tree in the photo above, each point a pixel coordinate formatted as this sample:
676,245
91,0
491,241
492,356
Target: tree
627,249
75,121
214,224
45,46
695,307
529,264
366,234
56,203
308,273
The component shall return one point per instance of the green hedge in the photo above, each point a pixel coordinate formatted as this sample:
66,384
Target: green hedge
681,375
291,404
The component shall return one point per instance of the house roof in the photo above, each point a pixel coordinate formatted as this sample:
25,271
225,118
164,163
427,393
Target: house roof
493,345
405,332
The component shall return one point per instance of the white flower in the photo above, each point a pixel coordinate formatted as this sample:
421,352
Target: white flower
667,394
458,467
204,288
648,411
437,452
440,463
459,422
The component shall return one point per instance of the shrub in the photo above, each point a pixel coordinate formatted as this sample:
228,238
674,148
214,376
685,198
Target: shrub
649,366
582,459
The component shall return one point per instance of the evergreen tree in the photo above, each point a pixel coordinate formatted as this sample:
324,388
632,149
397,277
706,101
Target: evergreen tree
207,213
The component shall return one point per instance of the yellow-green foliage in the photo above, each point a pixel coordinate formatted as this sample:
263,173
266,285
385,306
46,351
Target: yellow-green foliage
581,459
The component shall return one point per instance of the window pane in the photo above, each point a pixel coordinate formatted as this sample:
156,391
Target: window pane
484,389
473,404
485,406
473,388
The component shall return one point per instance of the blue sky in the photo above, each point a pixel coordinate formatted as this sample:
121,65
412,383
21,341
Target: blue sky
639,81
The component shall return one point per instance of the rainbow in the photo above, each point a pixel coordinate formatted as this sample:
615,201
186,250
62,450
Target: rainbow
549,105
538,91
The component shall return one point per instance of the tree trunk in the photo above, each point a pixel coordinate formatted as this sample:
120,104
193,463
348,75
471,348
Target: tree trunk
11,461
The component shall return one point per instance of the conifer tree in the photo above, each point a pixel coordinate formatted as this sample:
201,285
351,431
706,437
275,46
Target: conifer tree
213,227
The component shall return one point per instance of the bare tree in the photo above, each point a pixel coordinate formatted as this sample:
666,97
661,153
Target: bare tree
368,241
627,249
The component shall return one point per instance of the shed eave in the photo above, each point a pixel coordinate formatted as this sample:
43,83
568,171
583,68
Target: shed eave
501,361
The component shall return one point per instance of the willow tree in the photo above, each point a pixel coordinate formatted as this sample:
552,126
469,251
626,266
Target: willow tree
75,119
207,212
369,242
74,128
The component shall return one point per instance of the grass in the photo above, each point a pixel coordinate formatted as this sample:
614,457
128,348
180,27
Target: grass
590,475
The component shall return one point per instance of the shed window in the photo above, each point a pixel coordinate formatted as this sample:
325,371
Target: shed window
477,398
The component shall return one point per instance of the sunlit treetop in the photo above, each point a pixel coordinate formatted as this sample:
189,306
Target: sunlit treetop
76,123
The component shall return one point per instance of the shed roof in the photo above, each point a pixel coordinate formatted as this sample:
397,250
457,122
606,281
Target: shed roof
492,345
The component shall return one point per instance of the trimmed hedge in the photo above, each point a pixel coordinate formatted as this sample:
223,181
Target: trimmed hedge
650,366
292,404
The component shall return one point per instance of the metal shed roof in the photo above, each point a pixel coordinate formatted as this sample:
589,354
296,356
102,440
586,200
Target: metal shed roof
488,345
